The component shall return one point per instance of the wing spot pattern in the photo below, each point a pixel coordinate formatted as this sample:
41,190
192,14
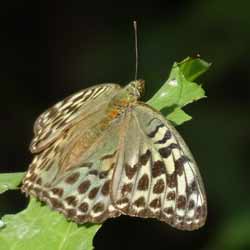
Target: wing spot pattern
84,186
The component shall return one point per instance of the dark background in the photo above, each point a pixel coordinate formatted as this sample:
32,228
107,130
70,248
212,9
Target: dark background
50,50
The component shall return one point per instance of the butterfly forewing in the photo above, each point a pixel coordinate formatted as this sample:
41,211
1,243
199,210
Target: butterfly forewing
50,124
161,178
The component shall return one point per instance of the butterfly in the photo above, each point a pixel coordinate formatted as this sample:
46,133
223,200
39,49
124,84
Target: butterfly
101,153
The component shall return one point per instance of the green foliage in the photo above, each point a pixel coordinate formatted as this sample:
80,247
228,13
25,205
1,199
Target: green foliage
43,228
40,227
233,233
180,90
10,181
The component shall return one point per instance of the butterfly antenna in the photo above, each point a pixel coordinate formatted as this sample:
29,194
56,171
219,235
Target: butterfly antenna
136,49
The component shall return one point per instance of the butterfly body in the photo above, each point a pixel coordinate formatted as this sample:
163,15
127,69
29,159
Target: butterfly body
101,153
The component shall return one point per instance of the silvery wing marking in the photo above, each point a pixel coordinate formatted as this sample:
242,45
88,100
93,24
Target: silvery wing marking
156,175
50,124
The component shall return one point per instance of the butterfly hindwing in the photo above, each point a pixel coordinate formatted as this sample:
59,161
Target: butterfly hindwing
160,179
82,191
50,124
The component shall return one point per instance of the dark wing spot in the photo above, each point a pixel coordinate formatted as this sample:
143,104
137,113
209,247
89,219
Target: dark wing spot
169,210
98,207
145,157
122,201
84,207
166,137
71,213
156,203
126,188
191,204
72,178
143,183
55,203
103,174
167,151
159,187
93,172
57,191
93,193
158,168
105,188
71,200
171,195
200,212
154,132
130,171
39,181
84,186
193,186
140,202
45,194
179,164
181,202
80,219
171,181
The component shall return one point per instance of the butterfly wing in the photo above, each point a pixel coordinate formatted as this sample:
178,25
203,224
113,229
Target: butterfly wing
156,175
50,124
82,191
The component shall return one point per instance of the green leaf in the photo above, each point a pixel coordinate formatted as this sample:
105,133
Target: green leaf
10,181
38,227
180,90
178,117
192,68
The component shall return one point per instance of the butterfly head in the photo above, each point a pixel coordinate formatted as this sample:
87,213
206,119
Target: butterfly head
128,95
135,88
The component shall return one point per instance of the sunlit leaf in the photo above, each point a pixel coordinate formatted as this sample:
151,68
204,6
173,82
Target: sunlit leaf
180,90
10,181
38,227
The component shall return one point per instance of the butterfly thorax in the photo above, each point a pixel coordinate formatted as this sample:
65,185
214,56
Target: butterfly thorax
127,96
